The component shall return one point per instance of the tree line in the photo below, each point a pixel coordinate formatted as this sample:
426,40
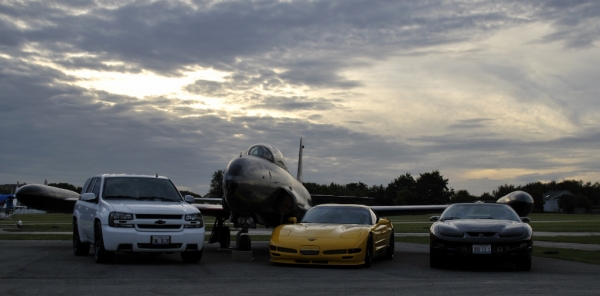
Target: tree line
432,188
426,189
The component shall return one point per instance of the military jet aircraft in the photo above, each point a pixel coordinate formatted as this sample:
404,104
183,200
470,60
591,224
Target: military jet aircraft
258,189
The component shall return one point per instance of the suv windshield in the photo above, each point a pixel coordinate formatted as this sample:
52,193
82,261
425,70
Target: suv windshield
140,188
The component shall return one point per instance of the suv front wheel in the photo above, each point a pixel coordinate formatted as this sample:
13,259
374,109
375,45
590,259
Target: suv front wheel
192,256
79,248
101,255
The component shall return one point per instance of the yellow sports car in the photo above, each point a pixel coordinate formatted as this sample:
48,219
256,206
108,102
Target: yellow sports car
331,234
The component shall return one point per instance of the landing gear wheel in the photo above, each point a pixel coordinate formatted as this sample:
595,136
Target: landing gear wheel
214,234
369,252
101,255
191,257
435,262
245,243
389,254
224,237
79,248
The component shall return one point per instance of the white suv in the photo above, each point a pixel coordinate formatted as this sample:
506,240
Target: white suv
134,213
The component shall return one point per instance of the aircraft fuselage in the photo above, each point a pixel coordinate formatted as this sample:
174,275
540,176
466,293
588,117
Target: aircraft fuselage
255,187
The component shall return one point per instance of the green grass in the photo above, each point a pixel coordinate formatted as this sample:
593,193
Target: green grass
563,217
566,226
38,219
569,239
412,239
550,222
41,228
36,236
592,257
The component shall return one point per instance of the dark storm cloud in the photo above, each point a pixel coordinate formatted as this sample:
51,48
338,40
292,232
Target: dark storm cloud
470,123
303,37
575,22
291,104
55,130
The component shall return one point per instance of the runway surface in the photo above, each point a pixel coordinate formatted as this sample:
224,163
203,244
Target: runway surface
50,268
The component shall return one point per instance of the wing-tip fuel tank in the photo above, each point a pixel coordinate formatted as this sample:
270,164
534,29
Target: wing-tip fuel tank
47,198
520,201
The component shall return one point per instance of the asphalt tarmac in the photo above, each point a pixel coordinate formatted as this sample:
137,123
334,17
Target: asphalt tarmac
50,268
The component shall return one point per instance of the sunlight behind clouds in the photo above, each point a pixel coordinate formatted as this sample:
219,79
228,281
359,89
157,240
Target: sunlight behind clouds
142,84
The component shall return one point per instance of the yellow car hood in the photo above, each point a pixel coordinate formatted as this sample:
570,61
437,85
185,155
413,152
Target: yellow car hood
322,230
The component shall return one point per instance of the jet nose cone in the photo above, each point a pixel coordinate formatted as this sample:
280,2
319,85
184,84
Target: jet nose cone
235,167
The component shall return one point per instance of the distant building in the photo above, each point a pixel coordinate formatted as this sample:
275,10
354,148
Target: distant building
551,200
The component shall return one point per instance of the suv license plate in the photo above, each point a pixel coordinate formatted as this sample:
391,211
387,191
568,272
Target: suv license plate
482,249
160,239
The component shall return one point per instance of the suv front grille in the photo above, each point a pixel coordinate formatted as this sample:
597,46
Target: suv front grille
158,216
155,226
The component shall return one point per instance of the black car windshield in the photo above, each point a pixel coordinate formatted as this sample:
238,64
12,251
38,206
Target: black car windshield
338,215
140,189
479,211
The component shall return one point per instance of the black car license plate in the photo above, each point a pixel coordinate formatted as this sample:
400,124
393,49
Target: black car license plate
482,249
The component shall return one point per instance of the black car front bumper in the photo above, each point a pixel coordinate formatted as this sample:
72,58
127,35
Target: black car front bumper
463,250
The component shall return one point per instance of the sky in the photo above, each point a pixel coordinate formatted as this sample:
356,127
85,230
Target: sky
486,92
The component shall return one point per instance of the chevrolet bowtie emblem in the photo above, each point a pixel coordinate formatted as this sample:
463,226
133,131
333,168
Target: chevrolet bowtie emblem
160,222
312,239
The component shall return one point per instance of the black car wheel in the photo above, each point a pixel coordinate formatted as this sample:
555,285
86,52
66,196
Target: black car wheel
524,265
79,248
369,252
224,237
391,248
191,257
101,255
434,261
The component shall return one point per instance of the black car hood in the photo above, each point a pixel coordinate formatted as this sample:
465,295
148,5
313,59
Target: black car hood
481,225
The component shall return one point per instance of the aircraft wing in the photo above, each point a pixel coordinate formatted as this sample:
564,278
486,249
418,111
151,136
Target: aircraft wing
318,199
212,210
386,211
382,211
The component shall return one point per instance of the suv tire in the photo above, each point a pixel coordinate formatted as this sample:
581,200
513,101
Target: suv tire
101,255
79,248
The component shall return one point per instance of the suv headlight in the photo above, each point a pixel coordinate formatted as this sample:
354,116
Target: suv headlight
196,221
118,219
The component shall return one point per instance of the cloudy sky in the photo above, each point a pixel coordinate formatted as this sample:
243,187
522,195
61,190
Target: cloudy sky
486,92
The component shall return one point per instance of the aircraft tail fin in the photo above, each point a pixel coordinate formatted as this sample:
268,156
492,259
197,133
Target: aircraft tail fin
299,177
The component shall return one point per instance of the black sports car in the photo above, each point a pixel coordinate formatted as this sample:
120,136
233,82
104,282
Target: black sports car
483,232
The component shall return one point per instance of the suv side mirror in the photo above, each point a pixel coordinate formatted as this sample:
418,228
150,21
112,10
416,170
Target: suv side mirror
88,196
434,218
383,221
525,219
189,199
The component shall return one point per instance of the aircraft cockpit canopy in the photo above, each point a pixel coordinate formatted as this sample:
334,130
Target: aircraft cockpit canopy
268,152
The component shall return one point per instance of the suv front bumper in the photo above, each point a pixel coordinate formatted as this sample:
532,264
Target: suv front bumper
130,240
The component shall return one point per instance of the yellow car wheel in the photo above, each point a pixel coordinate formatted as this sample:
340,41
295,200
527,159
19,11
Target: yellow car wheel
369,252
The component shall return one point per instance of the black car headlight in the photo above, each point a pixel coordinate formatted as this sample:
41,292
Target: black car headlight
448,231
118,219
195,221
